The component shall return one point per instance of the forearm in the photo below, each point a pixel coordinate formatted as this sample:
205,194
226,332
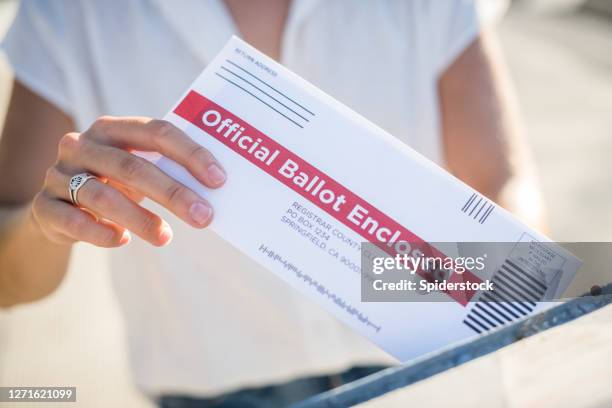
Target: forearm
31,266
521,196
484,138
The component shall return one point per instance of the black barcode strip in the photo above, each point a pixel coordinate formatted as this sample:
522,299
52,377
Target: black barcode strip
486,309
518,295
515,295
485,317
473,208
506,274
496,298
486,214
488,312
478,206
479,211
493,306
471,326
531,278
513,301
471,317
525,282
486,296
477,313
522,296
469,201
484,322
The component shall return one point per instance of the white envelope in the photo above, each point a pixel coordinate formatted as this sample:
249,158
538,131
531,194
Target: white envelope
310,181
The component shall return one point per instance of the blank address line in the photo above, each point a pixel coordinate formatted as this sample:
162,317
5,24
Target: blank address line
269,86
259,99
263,92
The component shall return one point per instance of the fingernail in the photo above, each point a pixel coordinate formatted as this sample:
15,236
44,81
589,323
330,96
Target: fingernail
215,174
125,237
200,213
165,236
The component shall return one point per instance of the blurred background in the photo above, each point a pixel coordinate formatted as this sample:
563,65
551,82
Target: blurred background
560,55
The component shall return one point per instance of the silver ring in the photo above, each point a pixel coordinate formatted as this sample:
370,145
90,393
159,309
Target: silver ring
76,182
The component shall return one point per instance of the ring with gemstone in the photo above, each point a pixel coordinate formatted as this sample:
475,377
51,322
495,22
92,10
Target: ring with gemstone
76,182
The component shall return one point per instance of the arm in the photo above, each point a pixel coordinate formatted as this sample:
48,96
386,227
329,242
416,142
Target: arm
483,138
28,147
38,156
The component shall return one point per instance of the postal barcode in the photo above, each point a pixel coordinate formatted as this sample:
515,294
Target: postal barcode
478,208
514,295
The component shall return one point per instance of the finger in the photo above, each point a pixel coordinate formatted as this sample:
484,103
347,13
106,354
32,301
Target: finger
163,137
68,144
130,193
109,203
65,220
139,174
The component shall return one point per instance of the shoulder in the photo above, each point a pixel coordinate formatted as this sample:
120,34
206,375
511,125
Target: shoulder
61,16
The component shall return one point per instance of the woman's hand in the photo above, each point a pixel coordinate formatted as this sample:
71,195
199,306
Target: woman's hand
110,202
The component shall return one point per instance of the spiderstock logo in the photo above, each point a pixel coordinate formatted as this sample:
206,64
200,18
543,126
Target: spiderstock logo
394,278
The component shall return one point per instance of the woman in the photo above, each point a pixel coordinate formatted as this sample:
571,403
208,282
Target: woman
206,325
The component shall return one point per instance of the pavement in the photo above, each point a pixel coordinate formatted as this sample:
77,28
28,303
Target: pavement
562,64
